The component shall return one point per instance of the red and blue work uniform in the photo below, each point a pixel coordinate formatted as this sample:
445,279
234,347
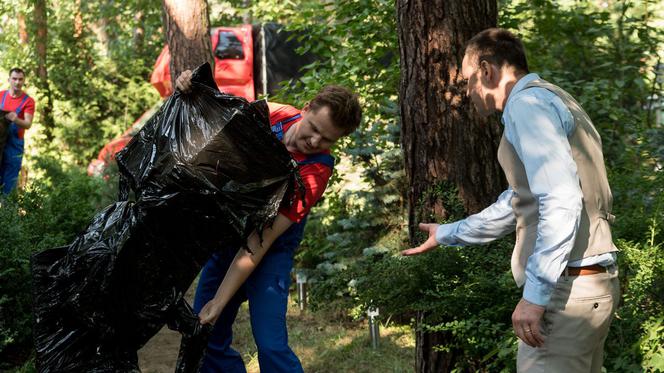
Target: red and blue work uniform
12,156
266,289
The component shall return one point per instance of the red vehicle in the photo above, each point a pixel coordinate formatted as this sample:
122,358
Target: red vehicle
233,63
248,60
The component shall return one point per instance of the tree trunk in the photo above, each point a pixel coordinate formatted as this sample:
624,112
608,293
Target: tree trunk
22,29
41,46
446,145
187,26
139,33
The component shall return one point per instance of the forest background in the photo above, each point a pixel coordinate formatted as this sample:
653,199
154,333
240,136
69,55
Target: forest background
94,72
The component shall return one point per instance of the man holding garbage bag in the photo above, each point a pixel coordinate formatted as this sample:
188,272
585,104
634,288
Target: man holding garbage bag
260,272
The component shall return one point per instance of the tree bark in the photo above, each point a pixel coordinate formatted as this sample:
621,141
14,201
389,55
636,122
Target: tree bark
139,33
41,46
187,26
446,145
22,29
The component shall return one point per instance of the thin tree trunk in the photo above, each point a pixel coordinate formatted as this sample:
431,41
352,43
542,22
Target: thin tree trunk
99,28
22,29
446,145
139,33
41,46
187,27
246,14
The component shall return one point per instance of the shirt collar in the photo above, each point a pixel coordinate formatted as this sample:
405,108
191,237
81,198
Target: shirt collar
520,85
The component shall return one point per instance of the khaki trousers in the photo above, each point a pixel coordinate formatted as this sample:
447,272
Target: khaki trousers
575,324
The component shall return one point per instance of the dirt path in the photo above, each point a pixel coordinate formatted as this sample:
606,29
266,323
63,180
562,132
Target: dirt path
160,354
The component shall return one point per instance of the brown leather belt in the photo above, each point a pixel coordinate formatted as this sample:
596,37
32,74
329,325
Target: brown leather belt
584,271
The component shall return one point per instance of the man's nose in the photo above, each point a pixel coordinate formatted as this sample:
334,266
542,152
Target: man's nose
315,140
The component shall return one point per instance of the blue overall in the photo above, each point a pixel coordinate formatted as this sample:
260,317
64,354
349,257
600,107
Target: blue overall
266,289
13,152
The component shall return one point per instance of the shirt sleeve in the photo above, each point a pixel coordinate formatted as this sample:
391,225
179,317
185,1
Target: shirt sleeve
487,225
536,129
29,106
315,177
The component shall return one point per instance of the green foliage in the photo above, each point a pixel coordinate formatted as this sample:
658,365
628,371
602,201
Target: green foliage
49,213
357,47
450,286
612,51
636,341
98,70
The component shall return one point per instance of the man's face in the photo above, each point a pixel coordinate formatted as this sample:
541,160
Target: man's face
316,131
16,81
476,88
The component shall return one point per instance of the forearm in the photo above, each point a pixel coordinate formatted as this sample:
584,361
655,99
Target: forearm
245,262
23,123
557,227
488,225
242,266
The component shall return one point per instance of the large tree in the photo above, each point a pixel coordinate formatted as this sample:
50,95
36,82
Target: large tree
187,26
446,145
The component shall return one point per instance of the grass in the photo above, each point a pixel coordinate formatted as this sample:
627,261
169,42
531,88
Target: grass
326,344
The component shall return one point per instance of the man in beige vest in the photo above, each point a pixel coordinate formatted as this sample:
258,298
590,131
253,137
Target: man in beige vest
558,202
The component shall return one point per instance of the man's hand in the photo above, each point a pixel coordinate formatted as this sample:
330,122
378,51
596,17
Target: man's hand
429,244
183,82
210,312
11,116
527,321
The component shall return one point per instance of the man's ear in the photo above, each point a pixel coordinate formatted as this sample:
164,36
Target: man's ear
489,73
306,108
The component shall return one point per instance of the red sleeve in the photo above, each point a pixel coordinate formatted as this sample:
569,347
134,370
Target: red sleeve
29,107
315,177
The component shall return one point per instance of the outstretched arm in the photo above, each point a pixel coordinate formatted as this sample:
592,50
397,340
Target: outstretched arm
487,225
242,266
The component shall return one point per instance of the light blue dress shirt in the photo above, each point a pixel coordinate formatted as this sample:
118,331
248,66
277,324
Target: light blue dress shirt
537,124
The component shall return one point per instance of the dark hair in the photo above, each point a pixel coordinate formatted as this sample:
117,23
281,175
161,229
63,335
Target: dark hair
345,110
16,70
497,46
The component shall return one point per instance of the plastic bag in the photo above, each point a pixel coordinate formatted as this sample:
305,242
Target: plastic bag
205,172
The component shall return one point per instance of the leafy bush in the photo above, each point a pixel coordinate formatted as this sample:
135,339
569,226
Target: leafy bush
636,341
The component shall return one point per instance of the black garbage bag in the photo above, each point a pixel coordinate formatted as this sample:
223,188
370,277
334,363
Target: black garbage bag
194,339
205,172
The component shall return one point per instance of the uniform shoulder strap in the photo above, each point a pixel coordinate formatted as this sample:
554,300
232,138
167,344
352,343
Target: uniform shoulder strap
278,128
322,158
23,101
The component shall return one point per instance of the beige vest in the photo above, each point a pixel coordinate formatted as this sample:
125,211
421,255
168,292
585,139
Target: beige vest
594,235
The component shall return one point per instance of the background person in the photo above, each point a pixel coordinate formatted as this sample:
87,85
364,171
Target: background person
20,110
